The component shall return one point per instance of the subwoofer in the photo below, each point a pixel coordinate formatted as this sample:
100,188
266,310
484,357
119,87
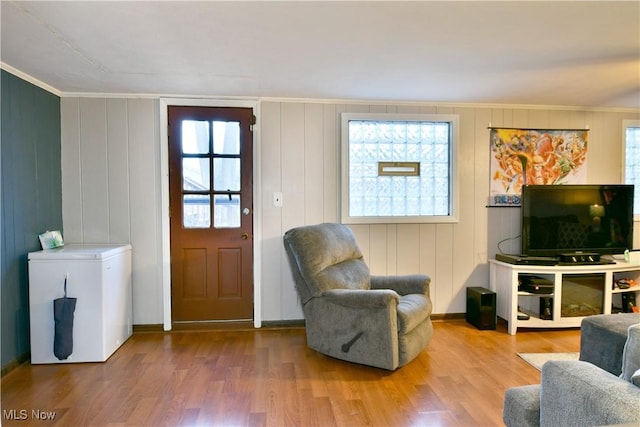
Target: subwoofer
481,308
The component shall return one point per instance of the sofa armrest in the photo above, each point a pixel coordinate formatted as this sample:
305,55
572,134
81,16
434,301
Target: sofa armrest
577,393
522,406
403,285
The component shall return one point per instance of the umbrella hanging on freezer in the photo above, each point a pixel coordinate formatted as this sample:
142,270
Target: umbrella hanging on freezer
63,310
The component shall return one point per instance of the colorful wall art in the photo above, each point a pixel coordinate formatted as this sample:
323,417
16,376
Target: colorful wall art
528,156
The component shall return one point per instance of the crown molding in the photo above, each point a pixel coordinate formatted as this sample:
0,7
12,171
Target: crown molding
62,94
24,76
452,104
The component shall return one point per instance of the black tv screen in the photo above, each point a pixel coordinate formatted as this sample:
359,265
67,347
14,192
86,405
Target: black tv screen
558,219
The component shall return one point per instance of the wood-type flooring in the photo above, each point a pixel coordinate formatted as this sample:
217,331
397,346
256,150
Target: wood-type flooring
268,377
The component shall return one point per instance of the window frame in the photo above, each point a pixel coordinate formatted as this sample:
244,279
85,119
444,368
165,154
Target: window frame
626,124
452,119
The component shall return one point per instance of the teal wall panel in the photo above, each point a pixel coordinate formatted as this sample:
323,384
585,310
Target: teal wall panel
31,198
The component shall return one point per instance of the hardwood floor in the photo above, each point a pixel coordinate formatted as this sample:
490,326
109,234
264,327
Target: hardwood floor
268,377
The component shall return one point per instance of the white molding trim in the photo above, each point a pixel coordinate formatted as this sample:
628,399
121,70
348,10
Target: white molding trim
460,104
344,101
26,77
164,200
425,103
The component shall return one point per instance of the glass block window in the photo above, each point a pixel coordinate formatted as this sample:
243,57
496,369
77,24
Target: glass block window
398,168
632,160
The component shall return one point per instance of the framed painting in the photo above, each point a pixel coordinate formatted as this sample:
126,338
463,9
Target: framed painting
534,156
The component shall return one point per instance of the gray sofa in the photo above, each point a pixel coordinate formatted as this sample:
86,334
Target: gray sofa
579,393
603,337
381,321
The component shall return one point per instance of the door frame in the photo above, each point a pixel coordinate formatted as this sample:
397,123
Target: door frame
164,200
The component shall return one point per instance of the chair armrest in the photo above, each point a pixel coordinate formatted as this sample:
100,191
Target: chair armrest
403,285
577,393
362,298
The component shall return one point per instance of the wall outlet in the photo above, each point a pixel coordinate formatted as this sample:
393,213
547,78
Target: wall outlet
277,199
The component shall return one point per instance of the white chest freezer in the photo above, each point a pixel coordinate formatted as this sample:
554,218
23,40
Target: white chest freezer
99,277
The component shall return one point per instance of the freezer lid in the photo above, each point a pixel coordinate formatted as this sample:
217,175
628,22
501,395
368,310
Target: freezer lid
79,252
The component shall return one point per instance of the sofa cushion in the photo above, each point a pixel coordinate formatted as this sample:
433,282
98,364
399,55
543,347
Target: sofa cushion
579,394
351,274
413,309
324,257
631,353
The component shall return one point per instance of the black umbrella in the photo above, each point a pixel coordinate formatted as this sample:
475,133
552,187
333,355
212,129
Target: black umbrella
63,309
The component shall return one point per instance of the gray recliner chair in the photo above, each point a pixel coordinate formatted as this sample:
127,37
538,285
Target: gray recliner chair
381,321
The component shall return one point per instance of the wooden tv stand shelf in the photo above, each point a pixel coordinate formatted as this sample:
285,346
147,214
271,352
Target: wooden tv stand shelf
577,292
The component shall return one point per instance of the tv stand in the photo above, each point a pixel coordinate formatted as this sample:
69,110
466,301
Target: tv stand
578,291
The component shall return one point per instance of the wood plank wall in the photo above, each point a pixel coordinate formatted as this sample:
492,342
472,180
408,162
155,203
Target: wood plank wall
111,186
111,146
31,198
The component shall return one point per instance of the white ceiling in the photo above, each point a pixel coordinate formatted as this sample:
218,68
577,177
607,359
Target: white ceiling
571,53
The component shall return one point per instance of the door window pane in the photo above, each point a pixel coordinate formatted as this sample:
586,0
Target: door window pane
196,211
195,174
226,138
195,137
226,174
226,209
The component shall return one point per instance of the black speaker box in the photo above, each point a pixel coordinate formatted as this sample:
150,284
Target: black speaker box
628,301
546,308
481,308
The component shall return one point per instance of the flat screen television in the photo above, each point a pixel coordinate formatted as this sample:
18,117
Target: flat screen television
557,219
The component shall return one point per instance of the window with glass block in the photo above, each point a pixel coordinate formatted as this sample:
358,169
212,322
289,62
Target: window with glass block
632,163
398,167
